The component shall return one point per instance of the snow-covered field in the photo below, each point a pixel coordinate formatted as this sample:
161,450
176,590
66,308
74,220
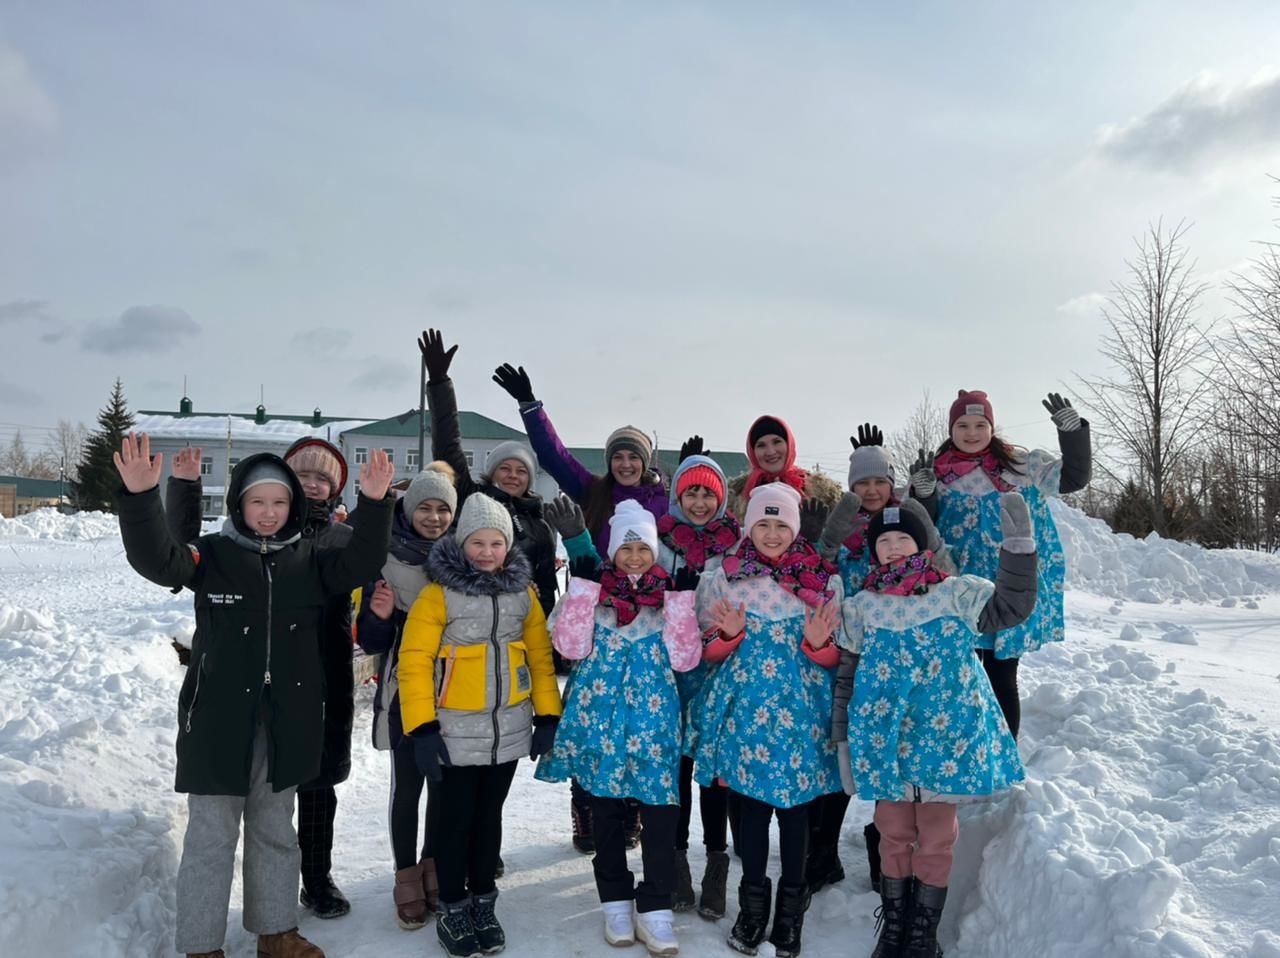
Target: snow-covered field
1149,824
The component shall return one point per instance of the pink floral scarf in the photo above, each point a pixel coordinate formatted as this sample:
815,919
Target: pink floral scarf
800,570
697,544
910,576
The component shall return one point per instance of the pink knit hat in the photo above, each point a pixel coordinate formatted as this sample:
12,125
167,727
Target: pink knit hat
775,500
971,403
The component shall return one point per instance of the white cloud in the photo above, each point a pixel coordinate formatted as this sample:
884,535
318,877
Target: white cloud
28,115
141,329
1208,118
1090,304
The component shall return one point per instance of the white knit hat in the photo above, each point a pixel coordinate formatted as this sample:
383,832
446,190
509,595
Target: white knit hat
481,512
632,522
509,450
776,500
434,482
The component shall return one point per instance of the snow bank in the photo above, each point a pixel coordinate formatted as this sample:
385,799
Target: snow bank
1157,570
51,524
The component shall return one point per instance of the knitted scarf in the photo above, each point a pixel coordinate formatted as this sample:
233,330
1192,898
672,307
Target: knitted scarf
625,597
800,570
697,544
953,464
910,576
857,541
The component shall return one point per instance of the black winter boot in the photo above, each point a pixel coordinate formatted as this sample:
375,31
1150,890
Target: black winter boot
714,881
456,932
872,836
753,917
683,899
926,912
323,899
891,917
489,934
788,920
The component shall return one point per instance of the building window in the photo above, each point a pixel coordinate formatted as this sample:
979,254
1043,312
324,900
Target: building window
411,459
471,458
362,455
391,456
233,463
357,487
206,467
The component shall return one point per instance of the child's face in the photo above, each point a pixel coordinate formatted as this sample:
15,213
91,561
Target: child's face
699,504
627,467
512,477
895,546
315,485
633,558
771,453
486,549
265,508
971,433
875,493
772,537
431,519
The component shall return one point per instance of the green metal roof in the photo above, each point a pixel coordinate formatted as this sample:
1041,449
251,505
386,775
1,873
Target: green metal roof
732,463
472,425
35,488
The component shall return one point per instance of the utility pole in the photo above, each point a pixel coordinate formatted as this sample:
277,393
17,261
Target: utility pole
226,482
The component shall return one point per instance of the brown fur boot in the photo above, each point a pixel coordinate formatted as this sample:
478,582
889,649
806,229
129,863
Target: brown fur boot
287,944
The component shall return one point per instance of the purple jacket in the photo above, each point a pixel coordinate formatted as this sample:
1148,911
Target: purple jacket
575,479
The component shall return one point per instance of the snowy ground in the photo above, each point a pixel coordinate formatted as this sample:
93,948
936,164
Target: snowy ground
1149,825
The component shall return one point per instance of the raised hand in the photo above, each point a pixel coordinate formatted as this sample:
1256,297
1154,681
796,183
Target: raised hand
730,621
923,480
691,447
515,381
565,516
1062,413
868,435
134,463
685,580
1015,517
437,358
186,464
383,601
813,516
819,624
842,520
376,474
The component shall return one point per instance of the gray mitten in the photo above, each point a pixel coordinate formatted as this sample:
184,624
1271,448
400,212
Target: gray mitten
1064,417
840,524
846,768
1015,524
923,480
565,516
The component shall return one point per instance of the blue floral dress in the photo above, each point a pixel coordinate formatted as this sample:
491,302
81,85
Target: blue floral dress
691,684
923,722
854,569
620,732
766,710
969,521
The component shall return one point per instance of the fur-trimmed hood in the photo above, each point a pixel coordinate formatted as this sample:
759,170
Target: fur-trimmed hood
817,485
450,568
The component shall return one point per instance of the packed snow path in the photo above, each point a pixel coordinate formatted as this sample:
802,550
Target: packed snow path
1149,825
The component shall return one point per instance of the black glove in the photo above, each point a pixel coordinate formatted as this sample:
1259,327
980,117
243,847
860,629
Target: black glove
585,567
514,381
429,750
544,735
565,516
685,580
868,435
692,447
813,516
1064,416
437,358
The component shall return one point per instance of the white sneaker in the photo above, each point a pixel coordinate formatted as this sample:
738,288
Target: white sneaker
656,930
619,925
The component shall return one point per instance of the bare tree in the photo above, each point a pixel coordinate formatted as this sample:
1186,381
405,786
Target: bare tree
65,445
1159,387
16,461
925,429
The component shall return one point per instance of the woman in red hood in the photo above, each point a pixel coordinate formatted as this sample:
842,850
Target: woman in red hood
771,450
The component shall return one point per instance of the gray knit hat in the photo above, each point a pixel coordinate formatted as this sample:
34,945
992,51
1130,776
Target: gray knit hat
434,482
267,471
481,512
870,462
509,450
630,438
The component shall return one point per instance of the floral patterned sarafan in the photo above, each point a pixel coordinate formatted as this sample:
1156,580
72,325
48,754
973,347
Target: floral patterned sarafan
696,545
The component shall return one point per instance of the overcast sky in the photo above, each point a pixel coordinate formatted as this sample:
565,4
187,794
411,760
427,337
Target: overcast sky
679,215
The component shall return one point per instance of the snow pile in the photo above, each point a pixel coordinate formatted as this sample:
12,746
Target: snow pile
1157,570
51,524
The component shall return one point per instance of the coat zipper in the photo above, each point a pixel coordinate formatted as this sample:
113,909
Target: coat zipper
266,569
196,695
497,677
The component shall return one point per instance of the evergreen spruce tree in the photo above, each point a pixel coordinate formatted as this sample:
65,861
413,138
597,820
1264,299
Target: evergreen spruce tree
97,483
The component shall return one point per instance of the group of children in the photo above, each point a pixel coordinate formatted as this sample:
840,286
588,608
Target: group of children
783,642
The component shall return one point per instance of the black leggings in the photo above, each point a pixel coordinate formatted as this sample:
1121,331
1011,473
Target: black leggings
469,838
793,841
402,816
610,821
712,808
316,809
1003,674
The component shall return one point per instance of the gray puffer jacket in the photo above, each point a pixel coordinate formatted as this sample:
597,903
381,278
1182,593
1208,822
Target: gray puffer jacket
476,657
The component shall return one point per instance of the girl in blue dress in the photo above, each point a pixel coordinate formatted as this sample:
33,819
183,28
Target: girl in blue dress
923,730
628,634
962,486
768,615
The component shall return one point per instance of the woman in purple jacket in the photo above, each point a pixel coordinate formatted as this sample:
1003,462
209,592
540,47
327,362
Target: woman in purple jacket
627,451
